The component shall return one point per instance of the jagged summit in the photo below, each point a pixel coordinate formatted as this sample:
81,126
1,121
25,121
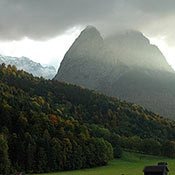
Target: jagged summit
88,41
89,38
90,33
90,28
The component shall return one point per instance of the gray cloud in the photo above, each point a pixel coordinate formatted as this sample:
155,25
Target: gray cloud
158,7
44,19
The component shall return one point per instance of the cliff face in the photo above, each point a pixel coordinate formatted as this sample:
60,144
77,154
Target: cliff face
125,65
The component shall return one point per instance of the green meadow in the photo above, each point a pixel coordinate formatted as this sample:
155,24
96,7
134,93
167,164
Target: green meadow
129,164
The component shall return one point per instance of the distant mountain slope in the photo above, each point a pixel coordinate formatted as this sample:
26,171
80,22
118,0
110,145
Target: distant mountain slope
125,65
29,66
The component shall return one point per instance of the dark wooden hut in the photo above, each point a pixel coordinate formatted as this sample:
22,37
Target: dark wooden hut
160,169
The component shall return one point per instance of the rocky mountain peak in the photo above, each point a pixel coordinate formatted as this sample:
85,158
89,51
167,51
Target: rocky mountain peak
89,35
90,31
87,43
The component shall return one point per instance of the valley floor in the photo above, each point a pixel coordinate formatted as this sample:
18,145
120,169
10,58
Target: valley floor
130,164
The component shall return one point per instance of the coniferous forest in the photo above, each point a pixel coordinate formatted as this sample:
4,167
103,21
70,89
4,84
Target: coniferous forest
47,126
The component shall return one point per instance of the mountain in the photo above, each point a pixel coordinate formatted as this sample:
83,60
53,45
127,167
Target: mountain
88,61
124,65
29,66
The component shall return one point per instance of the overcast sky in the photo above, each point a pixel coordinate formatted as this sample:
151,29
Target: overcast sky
44,29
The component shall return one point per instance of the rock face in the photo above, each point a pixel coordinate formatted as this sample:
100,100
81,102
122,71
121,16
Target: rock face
29,66
125,65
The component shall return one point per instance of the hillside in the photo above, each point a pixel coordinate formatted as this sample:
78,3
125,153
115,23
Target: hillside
48,126
125,66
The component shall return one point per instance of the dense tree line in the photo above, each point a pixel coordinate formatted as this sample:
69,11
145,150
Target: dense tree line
148,146
51,126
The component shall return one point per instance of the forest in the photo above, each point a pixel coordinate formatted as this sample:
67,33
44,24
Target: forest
48,126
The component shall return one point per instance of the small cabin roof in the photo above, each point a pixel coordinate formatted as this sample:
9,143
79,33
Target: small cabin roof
155,169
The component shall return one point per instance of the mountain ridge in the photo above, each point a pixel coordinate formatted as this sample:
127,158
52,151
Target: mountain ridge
29,66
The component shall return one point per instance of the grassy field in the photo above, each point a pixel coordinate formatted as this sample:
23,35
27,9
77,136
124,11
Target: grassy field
130,164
